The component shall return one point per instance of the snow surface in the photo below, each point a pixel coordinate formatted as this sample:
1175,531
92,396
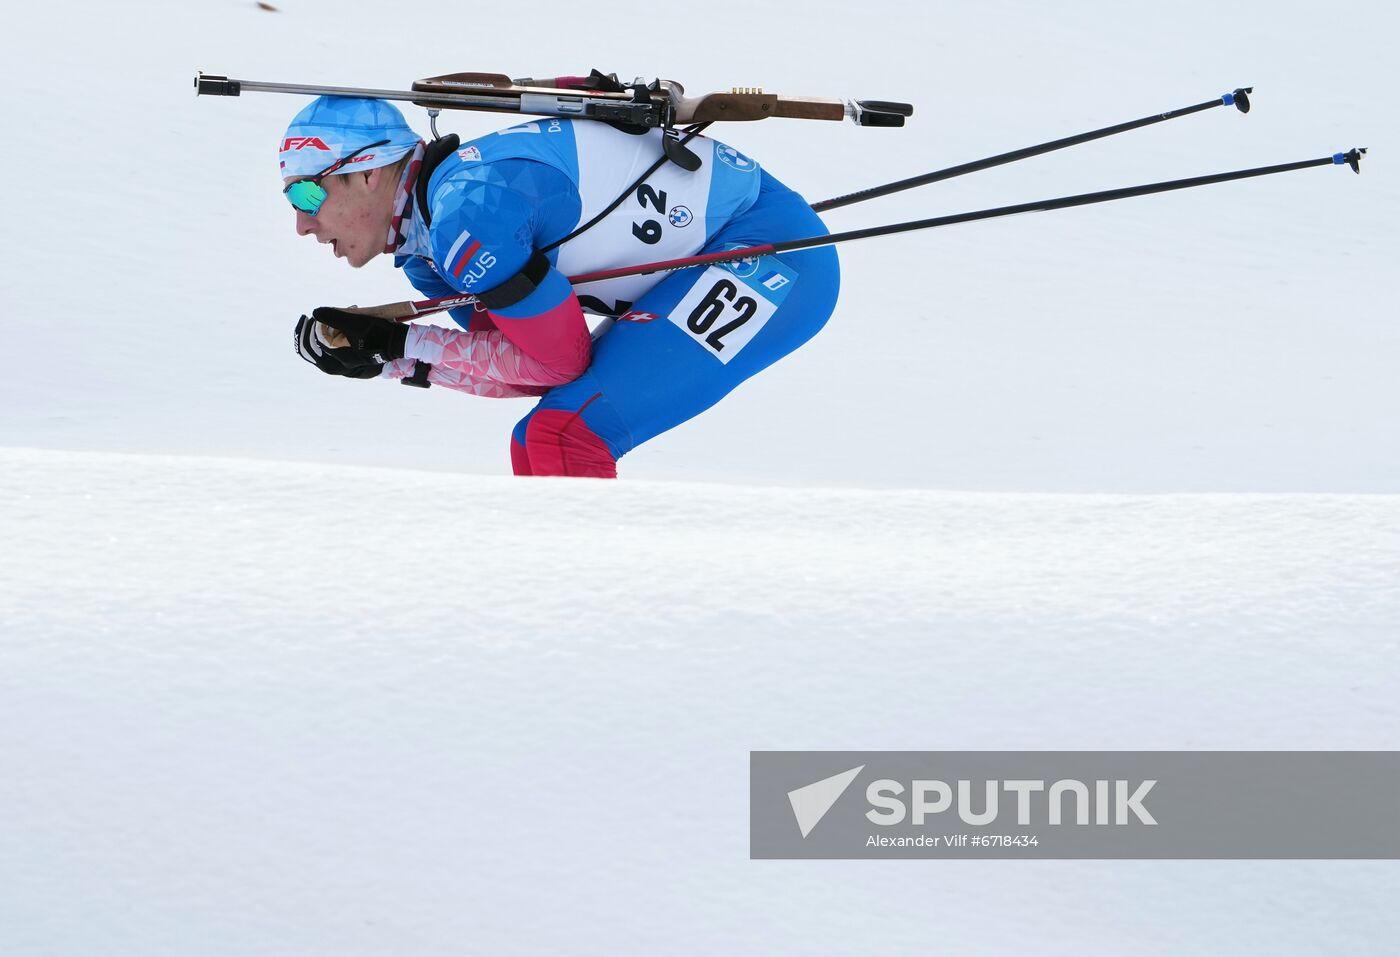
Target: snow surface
236,720
284,672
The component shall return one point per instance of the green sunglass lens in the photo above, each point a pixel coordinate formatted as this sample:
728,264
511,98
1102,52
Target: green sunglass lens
306,196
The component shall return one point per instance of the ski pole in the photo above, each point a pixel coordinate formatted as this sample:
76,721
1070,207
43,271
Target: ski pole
1352,158
1239,99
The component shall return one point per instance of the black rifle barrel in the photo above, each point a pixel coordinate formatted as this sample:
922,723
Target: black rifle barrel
209,85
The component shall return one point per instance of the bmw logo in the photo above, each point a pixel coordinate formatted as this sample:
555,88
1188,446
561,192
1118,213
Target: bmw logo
729,156
680,216
743,268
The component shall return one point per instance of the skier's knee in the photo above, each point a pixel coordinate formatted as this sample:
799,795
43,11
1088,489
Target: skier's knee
559,442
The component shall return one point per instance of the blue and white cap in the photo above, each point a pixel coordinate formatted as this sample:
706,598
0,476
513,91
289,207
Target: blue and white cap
332,127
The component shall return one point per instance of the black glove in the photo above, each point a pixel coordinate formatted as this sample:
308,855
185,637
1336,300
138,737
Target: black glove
377,340
344,361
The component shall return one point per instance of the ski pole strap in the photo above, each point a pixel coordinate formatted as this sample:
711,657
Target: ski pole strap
419,379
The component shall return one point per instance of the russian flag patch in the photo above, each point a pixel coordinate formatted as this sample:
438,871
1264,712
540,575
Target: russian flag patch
458,263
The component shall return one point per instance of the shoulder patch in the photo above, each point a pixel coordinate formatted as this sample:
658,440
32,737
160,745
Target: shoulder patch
461,253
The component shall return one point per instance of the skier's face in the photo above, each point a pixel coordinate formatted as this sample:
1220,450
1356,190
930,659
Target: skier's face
354,218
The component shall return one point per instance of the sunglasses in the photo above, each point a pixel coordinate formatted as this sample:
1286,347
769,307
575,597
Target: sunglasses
308,194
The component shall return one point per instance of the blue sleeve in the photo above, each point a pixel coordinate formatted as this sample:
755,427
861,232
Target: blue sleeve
489,218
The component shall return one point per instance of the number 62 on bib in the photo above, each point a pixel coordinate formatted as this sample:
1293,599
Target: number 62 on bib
731,302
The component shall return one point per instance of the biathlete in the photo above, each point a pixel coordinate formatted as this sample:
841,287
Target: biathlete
500,218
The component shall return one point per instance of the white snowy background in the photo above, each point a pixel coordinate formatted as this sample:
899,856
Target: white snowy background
289,665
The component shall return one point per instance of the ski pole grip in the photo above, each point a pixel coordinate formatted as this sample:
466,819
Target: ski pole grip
398,311
208,85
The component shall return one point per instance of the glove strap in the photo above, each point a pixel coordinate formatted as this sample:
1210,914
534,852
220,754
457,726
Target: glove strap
419,379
